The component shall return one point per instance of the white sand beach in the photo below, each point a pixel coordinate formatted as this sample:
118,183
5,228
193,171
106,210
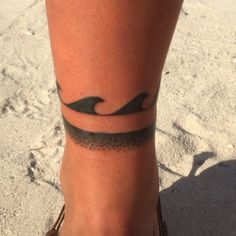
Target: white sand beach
196,122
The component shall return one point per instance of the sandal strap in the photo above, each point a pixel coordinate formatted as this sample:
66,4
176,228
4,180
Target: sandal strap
162,225
56,227
161,222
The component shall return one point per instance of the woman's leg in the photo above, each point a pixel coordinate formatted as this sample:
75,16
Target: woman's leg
108,58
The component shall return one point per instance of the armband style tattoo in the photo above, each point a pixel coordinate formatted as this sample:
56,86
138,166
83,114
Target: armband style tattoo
109,141
106,140
87,104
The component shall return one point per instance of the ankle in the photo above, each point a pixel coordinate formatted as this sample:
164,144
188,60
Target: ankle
101,224
114,192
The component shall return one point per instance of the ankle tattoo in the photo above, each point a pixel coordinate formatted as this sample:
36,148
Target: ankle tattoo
106,140
109,141
87,104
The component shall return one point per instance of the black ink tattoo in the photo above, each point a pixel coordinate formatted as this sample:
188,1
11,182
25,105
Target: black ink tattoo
104,140
109,141
87,104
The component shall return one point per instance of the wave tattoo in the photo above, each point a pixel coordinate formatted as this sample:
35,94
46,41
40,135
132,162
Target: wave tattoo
87,104
109,141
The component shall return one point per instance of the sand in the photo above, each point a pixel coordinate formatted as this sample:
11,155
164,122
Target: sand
196,138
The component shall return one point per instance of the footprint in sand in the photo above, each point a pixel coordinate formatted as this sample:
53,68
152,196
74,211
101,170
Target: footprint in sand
224,5
192,125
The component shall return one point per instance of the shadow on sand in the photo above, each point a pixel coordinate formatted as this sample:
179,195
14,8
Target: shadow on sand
203,205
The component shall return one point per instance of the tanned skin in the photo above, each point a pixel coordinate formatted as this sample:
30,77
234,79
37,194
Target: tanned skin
108,58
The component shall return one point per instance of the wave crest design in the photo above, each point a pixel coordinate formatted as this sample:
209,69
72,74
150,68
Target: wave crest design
87,104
